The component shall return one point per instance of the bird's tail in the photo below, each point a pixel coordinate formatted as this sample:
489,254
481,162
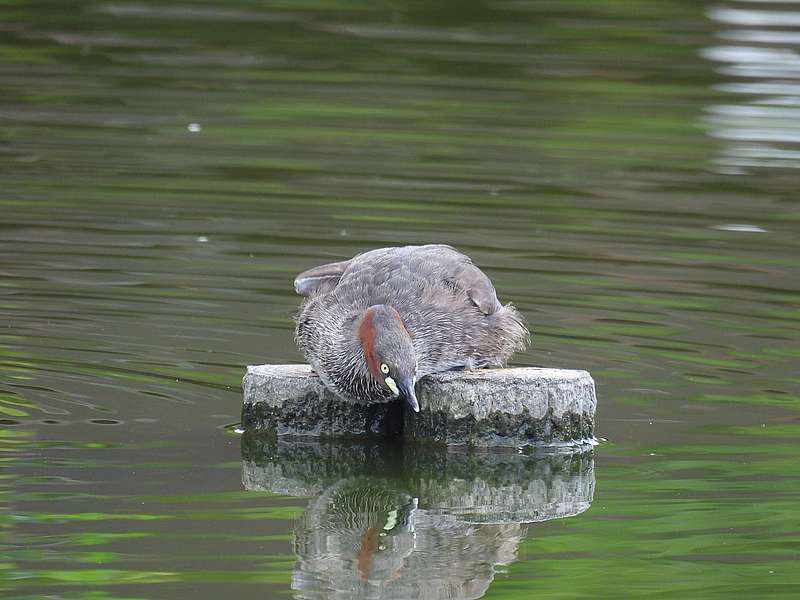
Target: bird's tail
510,332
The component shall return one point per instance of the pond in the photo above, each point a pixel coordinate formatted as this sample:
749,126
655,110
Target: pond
627,173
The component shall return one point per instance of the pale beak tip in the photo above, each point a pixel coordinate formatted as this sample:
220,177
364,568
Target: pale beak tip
410,396
412,402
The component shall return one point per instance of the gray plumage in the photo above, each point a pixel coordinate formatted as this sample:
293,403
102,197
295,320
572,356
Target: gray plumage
447,317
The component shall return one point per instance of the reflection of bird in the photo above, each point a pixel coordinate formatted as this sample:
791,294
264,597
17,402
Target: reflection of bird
358,531
373,325
367,539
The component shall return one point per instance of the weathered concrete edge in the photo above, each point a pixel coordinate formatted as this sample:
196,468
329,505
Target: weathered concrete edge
460,393
492,407
534,390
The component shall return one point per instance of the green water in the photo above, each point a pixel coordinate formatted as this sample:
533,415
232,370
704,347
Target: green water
626,172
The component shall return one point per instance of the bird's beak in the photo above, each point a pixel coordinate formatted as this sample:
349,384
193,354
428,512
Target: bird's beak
407,389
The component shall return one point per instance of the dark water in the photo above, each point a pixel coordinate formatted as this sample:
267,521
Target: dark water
626,172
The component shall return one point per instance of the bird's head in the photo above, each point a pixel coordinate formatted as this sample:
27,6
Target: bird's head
389,351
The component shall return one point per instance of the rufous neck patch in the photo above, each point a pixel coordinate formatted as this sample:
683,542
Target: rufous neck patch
367,333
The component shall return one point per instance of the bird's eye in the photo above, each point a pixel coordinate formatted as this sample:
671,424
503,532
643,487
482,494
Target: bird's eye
384,368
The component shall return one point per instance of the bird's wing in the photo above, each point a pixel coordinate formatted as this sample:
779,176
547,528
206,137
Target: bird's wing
478,287
320,279
458,271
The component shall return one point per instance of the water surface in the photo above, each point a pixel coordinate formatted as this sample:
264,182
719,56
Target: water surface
626,173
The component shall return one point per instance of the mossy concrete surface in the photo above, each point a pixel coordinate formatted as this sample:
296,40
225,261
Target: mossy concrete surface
485,408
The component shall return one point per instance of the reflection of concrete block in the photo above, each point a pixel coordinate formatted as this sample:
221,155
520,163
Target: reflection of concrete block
471,487
487,407
411,521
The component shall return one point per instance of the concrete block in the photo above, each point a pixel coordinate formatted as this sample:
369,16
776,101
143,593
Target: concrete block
484,408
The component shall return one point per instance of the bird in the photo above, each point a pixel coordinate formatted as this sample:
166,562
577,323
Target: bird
372,326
